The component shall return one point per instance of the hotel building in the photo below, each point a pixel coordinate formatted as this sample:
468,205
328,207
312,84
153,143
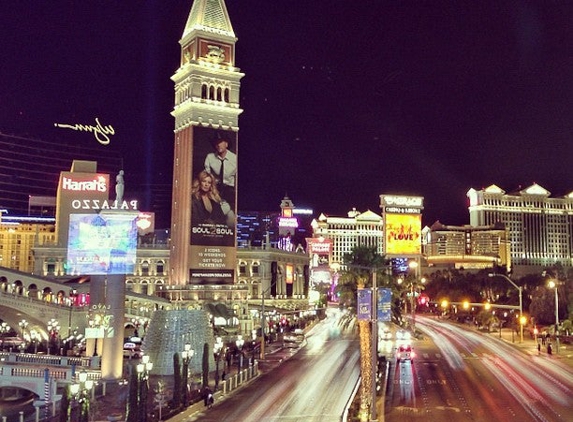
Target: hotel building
466,247
345,233
540,227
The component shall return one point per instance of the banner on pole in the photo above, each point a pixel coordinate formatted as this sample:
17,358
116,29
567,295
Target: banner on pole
364,311
384,304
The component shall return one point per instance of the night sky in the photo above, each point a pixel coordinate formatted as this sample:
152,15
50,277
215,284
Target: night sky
343,100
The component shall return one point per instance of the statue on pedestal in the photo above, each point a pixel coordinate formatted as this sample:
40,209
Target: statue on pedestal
119,187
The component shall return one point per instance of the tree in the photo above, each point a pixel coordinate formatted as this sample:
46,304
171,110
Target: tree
542,306
65,409
205,366
176,381
359,265
131,412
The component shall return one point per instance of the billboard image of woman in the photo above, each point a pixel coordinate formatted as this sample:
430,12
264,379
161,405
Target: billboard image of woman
213,206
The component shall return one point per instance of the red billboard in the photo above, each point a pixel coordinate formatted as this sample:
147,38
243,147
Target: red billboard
320,250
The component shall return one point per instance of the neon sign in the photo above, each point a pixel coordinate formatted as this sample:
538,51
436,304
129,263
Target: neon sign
96,204
402,201
288,222
96,185
101,132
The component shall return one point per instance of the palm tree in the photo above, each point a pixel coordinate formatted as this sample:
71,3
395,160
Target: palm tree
360,264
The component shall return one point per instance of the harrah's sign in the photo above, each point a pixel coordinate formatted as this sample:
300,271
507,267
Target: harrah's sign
98,184
95,184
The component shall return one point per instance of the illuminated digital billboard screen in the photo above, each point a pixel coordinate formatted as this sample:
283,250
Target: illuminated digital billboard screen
213,206
403,234
100,244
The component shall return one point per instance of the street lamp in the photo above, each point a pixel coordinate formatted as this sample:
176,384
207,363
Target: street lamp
4,328
520,290
263,319
240,342
553,285
143,369
217,348
35,339
186,356
53,334
81,393
23,326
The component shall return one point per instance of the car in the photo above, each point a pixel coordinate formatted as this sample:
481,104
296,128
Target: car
132,351
387,335
404,353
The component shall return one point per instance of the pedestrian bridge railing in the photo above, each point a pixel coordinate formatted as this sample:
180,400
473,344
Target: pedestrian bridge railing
50,360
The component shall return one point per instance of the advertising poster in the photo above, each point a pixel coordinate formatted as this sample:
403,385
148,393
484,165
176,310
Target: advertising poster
101,244
364,308
384,301
320,250
213,206
403,234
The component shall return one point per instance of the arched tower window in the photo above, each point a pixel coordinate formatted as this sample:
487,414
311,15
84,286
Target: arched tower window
211,92
204,91
219,92
226,95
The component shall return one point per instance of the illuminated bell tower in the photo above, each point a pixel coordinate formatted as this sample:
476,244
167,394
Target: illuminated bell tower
206,115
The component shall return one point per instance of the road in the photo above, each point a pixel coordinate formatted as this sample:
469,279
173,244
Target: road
313,385
459,374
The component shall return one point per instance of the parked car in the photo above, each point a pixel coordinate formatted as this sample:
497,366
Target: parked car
132,351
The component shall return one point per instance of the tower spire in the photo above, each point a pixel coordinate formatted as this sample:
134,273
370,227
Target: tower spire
209,16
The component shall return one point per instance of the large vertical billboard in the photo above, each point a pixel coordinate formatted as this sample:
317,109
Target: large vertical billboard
213,206
320,252
403,234
403,224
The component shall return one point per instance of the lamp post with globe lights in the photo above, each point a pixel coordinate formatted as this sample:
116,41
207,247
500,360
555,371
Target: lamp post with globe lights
186,356
80,391
553,285
53,334
143,370
217,349
4,328
23,326
239,343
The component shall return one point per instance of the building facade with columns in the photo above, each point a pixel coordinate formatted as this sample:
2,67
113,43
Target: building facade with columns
540,227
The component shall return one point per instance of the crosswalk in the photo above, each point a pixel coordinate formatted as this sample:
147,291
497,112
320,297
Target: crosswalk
438,356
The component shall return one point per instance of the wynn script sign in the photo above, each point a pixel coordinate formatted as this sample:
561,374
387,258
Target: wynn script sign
101,132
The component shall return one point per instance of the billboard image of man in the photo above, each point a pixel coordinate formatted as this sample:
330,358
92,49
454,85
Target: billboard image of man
222,163
212,258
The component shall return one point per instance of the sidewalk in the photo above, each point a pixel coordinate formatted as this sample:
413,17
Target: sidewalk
275,354
529,346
